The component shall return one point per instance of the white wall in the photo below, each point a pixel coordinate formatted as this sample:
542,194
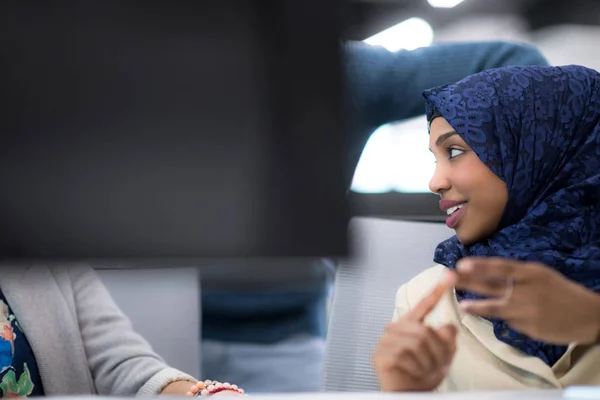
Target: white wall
570,44
561,44
484,27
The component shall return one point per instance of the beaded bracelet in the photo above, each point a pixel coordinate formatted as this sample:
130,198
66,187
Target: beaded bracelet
208,388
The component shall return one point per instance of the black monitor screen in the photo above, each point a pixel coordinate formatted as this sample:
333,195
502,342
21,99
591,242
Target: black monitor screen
140,128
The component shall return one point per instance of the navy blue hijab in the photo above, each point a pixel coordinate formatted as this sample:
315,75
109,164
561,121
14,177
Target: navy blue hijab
538,129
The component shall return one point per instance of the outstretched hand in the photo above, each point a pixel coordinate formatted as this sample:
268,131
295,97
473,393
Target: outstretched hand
532,298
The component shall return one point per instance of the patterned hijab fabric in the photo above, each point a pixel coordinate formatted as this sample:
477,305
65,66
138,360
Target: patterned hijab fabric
538,129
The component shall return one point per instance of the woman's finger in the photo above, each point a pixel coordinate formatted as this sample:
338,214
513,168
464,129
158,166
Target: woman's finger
439,348
492,308
492,267
448,334
481,284
398,338
428,303
409,364
396,354
412,338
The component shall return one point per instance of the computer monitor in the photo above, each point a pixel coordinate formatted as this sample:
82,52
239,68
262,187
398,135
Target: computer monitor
143,128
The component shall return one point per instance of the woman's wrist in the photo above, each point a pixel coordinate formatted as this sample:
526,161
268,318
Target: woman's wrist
209,388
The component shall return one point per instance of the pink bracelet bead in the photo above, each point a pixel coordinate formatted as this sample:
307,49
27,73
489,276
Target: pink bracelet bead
212,387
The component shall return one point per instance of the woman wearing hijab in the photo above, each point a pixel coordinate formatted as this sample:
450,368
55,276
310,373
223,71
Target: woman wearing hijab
512,303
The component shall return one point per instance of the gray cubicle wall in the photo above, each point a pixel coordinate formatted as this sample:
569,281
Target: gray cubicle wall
163,305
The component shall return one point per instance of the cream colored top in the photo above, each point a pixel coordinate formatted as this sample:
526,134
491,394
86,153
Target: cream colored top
484,363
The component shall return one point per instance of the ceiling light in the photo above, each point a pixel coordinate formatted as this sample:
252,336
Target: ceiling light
444,3
408,35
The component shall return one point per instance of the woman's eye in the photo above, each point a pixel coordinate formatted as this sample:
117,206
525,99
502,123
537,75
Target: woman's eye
455,152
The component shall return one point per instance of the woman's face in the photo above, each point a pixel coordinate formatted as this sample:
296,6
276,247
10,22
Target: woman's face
472,195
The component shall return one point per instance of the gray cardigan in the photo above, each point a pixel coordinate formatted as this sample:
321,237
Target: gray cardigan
82,342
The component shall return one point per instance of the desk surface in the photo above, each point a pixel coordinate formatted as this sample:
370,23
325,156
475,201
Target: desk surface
530,395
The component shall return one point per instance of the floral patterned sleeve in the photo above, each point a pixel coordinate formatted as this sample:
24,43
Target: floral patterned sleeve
19,375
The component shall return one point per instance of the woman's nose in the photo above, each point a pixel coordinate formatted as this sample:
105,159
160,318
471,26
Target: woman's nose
439,183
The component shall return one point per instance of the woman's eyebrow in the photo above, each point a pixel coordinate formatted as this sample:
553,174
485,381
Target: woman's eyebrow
442,138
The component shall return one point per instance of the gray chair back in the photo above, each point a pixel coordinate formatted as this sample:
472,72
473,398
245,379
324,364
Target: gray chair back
387,253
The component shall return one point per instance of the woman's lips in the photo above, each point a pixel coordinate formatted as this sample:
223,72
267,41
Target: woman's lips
446,204
453,219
